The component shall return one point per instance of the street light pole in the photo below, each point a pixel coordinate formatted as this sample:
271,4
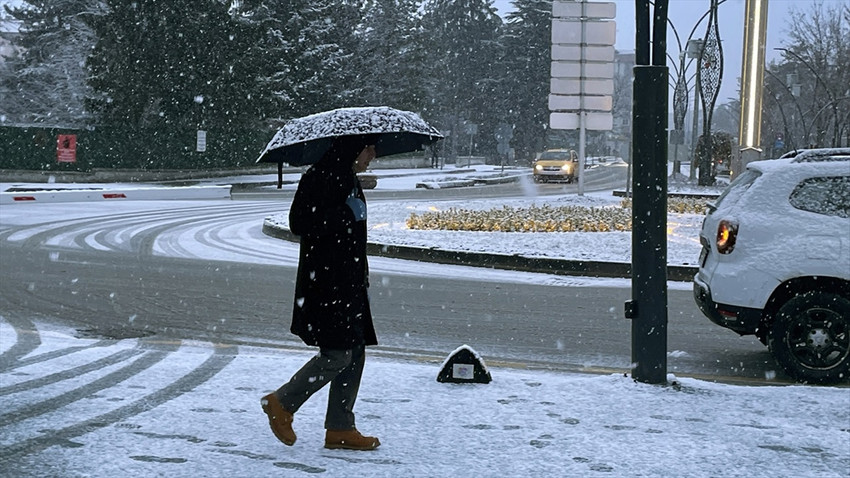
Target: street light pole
709,77
694,50
752,83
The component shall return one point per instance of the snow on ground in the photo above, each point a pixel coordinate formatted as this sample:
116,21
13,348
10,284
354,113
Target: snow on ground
194,411
76,406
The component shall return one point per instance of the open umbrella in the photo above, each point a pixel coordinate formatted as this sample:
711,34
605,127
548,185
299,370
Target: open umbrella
303,141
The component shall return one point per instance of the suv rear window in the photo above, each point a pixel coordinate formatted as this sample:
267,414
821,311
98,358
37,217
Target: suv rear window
829,196
736,188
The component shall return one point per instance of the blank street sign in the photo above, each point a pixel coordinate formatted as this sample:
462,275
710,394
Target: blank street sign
568,32
594,121
564,86
573,103
572,8
591,53
572,69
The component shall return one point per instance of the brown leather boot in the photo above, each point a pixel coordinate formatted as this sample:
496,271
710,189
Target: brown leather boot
280,420
350,440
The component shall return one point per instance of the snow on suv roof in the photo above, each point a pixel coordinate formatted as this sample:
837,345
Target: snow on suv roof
815,159
822,154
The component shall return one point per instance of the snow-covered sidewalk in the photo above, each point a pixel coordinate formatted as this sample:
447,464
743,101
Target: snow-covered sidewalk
192,409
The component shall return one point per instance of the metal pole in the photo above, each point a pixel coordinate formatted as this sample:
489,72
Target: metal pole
648,306
694,135
582,120
582,114
752,82
280,175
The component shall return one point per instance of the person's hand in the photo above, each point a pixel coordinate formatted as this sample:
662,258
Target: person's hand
358,207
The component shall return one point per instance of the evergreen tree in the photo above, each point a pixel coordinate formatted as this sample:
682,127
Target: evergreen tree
45,82
528,40
391,59
463,44
172,62
307,49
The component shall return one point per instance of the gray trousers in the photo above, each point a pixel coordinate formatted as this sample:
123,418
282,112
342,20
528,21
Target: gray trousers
343,369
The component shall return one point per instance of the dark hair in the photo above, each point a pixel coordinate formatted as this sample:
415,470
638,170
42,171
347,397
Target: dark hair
354,142
345,149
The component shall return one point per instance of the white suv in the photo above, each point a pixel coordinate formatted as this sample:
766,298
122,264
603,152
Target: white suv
775,261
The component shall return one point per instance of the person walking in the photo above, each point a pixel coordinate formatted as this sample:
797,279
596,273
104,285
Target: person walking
331,307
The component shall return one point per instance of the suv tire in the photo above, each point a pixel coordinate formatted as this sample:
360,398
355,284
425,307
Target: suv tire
810,337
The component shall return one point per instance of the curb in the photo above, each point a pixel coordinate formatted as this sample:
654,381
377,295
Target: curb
514,262
471,182
100,175
129,194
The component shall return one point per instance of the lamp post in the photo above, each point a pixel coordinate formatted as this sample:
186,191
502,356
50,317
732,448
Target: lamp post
693,48
680,97
709,77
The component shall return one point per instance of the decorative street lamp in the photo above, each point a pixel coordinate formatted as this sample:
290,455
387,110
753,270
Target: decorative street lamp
692,50
709,77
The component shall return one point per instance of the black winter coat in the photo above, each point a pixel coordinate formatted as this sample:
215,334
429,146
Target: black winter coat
331,307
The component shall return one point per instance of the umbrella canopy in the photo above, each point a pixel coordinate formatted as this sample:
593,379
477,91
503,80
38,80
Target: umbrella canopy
303,141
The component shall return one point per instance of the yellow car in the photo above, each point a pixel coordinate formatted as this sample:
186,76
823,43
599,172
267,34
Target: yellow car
556,165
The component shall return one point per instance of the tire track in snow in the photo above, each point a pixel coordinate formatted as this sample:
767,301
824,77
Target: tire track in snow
72,372
27,340
58,353
221,357
147,360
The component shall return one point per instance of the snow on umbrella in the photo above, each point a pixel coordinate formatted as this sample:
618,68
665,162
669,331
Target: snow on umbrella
303,141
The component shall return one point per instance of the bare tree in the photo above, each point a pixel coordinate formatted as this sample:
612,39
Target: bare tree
809,89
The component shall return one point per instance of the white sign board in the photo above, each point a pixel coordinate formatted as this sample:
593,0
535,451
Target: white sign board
568,32
573,103
594,121
572,69
201,141
582,68
572,8
591,53
573,86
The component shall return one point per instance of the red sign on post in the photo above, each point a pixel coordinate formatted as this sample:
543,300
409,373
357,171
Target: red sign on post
66,148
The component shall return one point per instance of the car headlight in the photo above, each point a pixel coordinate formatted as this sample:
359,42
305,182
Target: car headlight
566,168
538,167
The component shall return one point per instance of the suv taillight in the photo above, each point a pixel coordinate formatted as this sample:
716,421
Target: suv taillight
727,232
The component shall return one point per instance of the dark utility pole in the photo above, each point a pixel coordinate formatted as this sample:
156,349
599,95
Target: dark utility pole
648,307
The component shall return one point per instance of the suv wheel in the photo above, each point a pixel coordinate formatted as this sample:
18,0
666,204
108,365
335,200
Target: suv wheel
810,337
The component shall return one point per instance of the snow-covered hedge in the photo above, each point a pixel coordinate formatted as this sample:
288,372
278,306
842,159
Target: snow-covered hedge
543,218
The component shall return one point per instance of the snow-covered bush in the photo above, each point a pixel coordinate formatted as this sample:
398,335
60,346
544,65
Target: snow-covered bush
543,218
